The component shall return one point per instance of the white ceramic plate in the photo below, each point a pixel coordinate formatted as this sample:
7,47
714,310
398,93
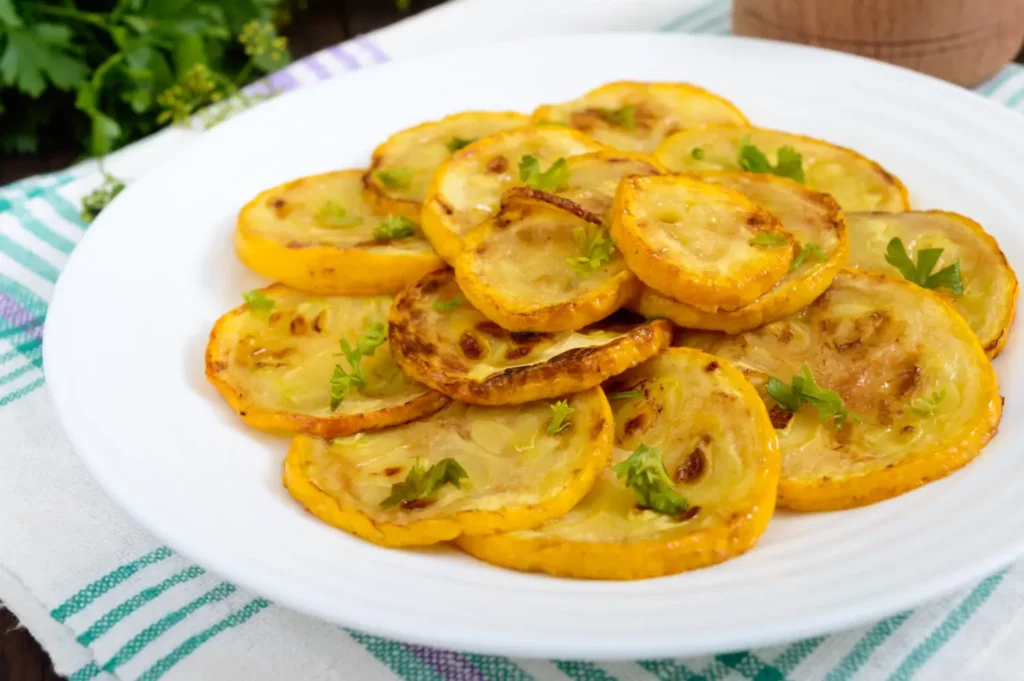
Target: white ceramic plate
130,318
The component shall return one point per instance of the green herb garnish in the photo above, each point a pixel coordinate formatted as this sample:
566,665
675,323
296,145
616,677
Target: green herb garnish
920,274
394,227
333,214
342,381
926,406
394,178
644,472
551,180
807,251
258,302
624,117
697,154
560,413
95,201
768,239
803,390
448,305
753,160
456,143
626,395
423,483
597,249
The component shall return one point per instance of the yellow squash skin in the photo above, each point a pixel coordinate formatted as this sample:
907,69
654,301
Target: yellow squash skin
904,362
280,236
420,150
467,189
464,355
659,110
519,475
516,268
989,300
274,368
855,181
692,241
718,446
809,216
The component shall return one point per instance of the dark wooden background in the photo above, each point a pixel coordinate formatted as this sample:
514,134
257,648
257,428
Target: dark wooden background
21,658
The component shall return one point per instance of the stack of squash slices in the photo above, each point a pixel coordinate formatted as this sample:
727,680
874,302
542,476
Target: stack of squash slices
608,339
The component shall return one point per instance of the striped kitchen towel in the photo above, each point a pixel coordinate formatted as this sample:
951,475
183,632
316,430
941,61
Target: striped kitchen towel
109,602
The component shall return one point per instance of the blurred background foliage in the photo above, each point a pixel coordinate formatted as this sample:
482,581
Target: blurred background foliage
93,75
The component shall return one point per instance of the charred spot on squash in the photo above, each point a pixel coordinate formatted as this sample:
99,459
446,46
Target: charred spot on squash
635,424
689,514
413,504
779,417
596,429
711,367
471,346
498,164
692,468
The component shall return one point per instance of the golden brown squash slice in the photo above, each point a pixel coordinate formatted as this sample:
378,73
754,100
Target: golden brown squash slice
467,189
319,234
274,360
594,177
821,249
699,243
856,182
989,298
466,470
403,165
543,264
692,441
637,116
914,395
440,339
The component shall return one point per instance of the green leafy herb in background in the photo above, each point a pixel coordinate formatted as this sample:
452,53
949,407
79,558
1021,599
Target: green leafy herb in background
597,248
921,273
456,143
551,180
644,472
394,227
803,390
103,73
394,178
560,414
95,201
624,117
807,251
333,215
342,381
258,302
448,305
768,239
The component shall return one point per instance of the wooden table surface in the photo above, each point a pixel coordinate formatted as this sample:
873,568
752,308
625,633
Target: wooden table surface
21,658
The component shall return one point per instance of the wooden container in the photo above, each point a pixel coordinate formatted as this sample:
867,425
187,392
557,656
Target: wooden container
963,41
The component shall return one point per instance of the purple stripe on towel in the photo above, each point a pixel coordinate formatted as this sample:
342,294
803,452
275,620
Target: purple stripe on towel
283,80
448,663
312,63
378,54
17,316
344,57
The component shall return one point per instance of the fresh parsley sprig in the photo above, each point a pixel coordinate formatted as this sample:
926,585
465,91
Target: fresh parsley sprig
560,415
624,117
258,302
456,143
807,251
768,239
95,201
803,390
333,214
644,472
697,154
921,273
790,162
553,179
423,483
597,248
394,178
342,381
394,227
448,305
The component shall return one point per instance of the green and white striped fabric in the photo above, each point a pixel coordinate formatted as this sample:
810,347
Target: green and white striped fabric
109,602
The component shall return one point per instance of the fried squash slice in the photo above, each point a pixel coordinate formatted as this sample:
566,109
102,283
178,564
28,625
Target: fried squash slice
275,361
855,181
319,234
543,264
988,299
699,243
877,388
466,470
692,480
402,166
636,116
441,340
594,177
820,250
467,189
